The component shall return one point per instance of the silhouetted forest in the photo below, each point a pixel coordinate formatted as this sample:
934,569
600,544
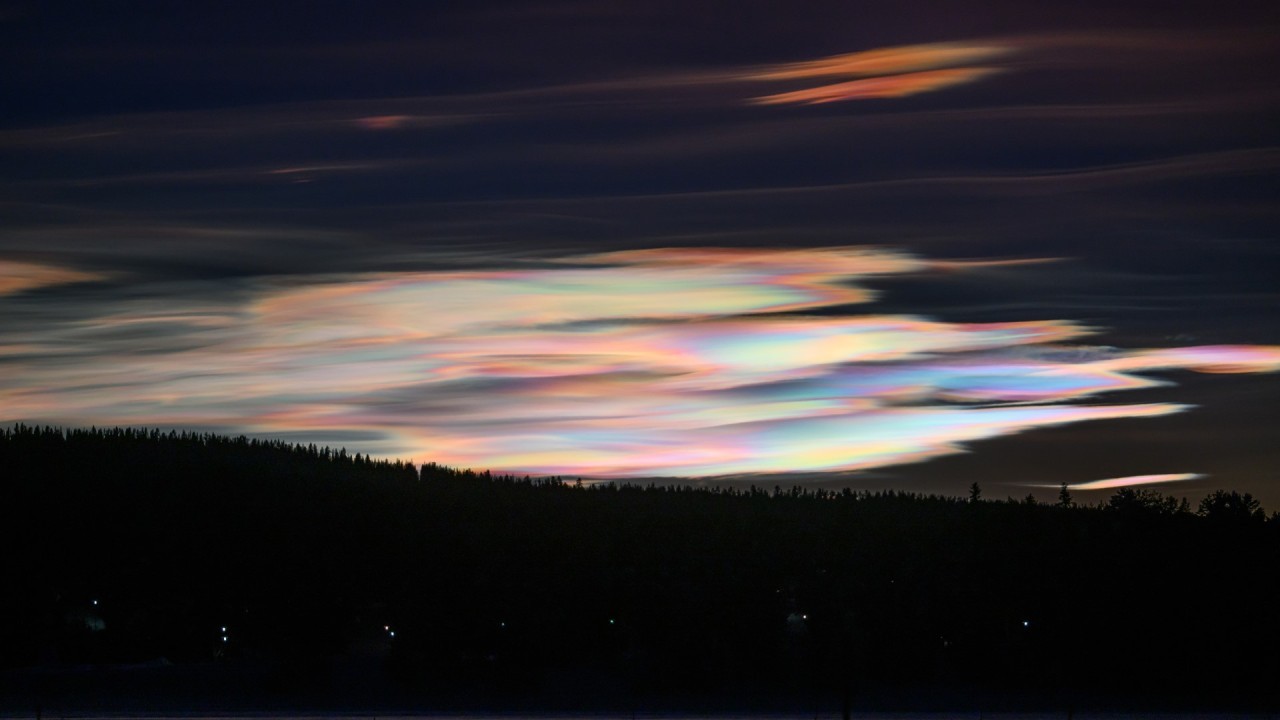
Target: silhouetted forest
125,546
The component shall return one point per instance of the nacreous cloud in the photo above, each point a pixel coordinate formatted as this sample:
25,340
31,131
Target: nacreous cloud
682,362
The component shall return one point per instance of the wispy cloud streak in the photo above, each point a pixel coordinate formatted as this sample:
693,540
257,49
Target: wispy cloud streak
892,86
16,276
1131,480
883,73
887,61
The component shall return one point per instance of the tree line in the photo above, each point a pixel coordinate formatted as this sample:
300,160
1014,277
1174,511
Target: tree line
126,545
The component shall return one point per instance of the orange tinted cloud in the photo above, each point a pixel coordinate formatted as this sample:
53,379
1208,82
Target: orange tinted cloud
16,277
883,73
383,122
886,61
891,86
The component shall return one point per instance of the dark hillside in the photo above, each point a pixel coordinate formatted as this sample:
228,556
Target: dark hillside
126,546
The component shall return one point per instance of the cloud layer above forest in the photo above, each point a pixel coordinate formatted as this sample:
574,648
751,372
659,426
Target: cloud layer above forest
661,362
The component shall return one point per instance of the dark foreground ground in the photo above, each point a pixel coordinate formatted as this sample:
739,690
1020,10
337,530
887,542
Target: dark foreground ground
285,579
247,690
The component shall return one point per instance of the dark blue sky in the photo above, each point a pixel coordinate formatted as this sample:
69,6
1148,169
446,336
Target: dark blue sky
206,209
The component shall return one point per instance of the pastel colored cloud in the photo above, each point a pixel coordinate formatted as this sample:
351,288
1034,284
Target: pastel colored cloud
679,284
679,362
1207,359
1119,482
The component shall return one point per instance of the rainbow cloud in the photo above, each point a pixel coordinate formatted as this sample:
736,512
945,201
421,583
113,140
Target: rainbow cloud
678,362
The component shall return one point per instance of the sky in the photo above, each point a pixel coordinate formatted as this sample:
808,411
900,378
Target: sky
874,245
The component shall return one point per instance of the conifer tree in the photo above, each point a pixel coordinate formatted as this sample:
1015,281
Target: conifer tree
1064,497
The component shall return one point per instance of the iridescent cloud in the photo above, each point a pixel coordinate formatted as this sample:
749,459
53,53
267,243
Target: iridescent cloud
679,362
1208,359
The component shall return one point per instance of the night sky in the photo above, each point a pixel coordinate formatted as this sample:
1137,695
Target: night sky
875,245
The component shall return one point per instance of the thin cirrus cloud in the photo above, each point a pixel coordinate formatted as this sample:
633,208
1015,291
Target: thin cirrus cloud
675,362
